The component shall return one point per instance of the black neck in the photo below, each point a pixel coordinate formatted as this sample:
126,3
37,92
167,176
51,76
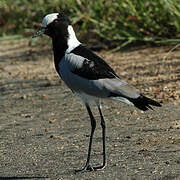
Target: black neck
59,48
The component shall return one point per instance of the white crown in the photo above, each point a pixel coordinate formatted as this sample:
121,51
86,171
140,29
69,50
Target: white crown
49,18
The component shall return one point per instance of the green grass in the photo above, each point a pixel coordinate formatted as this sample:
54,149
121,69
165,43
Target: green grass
116,22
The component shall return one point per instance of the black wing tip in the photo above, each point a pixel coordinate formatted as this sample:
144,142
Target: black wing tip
144,103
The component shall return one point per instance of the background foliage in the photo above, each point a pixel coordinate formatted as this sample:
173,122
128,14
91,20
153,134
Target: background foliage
114,22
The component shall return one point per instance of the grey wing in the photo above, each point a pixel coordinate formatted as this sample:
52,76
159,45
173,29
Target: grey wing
103,88
75,82
113,88
117,87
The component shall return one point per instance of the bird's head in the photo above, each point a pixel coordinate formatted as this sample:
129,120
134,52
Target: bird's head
59,28
53,25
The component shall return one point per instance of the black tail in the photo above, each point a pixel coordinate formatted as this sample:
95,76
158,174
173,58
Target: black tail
144,103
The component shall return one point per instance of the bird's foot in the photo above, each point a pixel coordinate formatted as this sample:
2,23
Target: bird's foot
86,168
90,168
99,167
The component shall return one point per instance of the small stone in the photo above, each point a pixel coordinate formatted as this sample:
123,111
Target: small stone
47,129
52,121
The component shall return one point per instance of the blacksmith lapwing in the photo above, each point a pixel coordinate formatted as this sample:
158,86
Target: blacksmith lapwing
88,76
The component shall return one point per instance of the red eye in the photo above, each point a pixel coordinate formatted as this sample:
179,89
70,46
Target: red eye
55,21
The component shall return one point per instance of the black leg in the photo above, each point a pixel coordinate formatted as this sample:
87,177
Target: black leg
103,125
93,127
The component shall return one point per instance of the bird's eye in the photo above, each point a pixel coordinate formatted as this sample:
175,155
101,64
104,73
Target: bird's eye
55,21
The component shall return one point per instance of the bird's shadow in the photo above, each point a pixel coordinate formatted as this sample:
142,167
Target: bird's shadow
25,177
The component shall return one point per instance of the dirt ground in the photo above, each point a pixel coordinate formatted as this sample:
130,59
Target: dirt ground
44,128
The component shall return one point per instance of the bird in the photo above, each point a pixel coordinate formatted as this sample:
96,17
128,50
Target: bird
88,76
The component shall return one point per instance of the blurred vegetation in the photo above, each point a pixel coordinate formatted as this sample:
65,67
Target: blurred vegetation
114,22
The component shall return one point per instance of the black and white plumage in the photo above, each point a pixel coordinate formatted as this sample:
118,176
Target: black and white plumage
87,75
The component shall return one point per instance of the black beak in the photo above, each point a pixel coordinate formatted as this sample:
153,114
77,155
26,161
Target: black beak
39,32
